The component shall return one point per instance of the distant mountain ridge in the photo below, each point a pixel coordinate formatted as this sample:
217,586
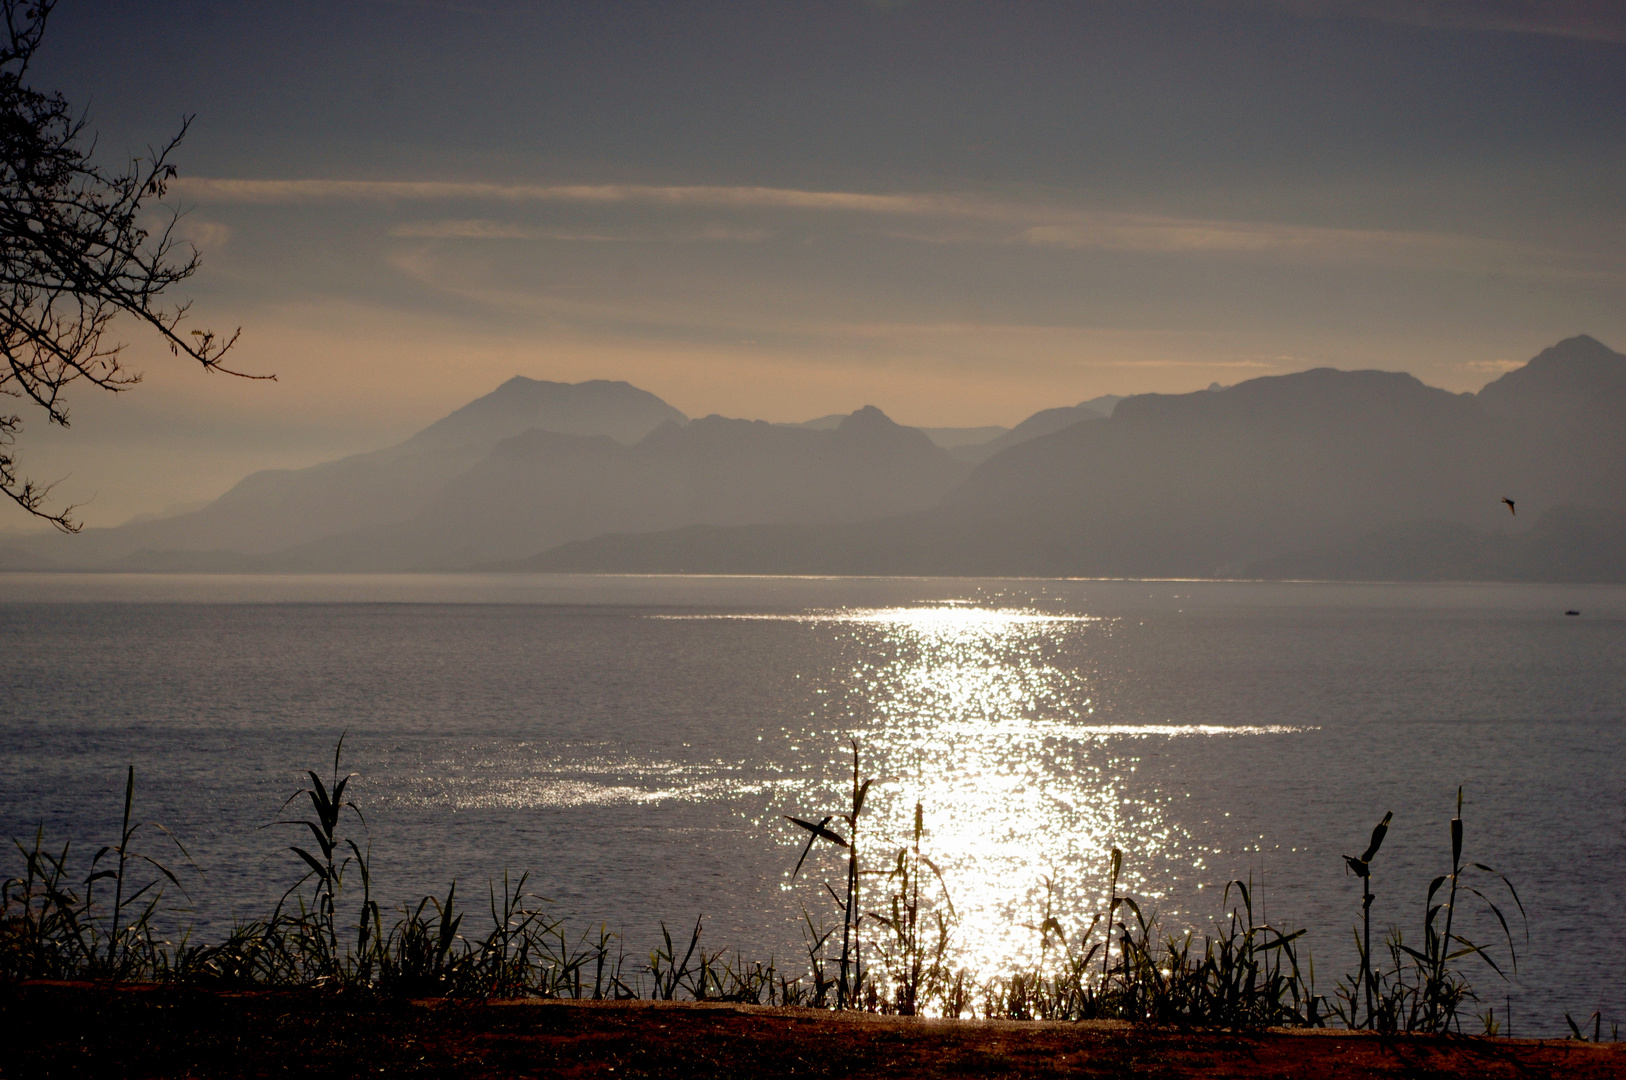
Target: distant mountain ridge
278,508
1578,375
1041,423
540,488
618,410
1322,473
527,466
1315,471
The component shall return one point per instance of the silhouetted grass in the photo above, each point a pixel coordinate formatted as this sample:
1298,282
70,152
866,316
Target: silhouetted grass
98,922
1424,989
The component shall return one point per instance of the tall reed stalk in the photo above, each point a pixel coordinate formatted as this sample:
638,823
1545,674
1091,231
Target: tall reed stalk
850,968
1424,989
1362,868
917,924
319,926
54,929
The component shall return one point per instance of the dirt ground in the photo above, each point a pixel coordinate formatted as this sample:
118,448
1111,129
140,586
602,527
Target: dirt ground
49,1030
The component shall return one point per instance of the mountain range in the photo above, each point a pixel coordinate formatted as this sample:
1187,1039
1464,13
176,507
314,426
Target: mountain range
530,465
1318,474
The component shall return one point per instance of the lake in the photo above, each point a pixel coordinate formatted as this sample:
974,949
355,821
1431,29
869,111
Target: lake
634,742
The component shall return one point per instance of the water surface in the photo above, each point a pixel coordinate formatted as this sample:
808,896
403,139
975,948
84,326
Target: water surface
633,742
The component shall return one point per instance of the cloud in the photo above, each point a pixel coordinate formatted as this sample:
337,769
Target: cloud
483,229
1150,234
1147,234
205,235
216,190
1496,367
947,343
939,217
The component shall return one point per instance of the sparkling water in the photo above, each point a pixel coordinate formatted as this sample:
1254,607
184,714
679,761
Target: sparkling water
632,743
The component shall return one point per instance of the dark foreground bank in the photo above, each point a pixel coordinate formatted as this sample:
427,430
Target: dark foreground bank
58,1029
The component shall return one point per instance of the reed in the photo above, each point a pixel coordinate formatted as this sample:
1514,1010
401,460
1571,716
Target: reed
315,931
1425,989
1245,974
850,978
1577,1032
56,927
916,924
99,921
1361,867
703,975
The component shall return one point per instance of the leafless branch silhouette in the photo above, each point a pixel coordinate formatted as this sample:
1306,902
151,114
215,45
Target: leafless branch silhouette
75,252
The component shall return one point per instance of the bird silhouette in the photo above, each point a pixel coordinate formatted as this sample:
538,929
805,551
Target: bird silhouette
1510,509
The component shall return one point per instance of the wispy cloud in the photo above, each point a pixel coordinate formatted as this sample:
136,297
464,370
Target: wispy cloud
804,333
1154,234
484,229
215,190
938,218
209,235
1495,367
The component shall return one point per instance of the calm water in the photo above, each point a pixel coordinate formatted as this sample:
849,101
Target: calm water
633,743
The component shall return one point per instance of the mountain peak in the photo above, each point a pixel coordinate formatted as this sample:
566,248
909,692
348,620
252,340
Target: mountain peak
597,407
867,417
522,384
518,384
871,427
1580,370
1582,348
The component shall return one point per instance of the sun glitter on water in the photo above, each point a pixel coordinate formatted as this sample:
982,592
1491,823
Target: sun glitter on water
986,717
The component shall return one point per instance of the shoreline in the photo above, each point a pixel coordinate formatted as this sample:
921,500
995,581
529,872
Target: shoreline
146,1030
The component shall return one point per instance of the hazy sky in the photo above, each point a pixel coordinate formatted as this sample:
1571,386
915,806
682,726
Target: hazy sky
961,213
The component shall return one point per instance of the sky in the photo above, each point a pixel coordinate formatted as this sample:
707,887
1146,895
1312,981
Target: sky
959,212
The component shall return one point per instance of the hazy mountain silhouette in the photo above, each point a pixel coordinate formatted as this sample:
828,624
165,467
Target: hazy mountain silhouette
1204,483
1564,415
959,440
618,410
1561,421
1568,543
977,444
1322,473
541,488
277,508
1578,377
1041,423
949,438
17,558
1326,474
820,423
1193,484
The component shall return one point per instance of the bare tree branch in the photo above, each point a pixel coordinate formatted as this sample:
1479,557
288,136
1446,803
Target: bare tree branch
74,255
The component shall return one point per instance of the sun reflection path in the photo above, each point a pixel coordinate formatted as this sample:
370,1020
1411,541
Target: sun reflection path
986,717
992,718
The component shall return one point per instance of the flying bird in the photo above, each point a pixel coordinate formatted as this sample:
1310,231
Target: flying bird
1510,509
